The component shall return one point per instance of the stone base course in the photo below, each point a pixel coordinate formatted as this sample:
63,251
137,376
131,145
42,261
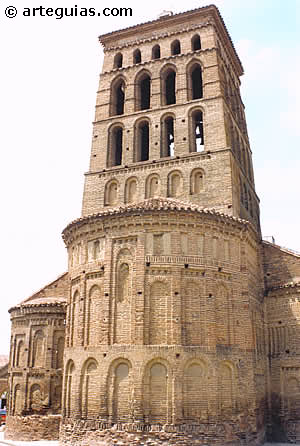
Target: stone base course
32,428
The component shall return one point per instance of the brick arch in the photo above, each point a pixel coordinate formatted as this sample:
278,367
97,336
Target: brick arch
115,144
94,313
123,297
142,89
119,388
153,186
226,388
157,391
167,134
175,184
197,183
17,403
195,394
196,42
117,95
38,349
141,150
194,73
131,190
89,389
20,354
69,389
74,317
111,192
168,84
196,119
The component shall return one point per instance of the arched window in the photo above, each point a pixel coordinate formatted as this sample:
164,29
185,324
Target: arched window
225,391
196,42
38,355
197,131
131,190
175,47
20,354
158,393
168,87
143,91
89,386
142,141
137,57
175,184
197,181
117,97
111,193
167,137
195,84
121,393
115,146
156,52
69,389
118,60
153,186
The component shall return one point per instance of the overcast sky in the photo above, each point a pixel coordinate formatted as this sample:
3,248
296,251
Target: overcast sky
48,83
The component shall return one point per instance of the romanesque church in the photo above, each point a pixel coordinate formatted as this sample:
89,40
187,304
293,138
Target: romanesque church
175,323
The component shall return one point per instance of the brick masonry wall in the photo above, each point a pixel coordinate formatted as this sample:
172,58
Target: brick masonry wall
158,326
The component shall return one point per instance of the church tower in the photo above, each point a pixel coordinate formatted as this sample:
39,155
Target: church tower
164,329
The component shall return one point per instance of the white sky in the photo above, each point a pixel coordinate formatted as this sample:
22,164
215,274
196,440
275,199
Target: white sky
48,82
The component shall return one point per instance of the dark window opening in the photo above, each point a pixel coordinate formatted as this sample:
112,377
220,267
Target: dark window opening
175,48
120,97
117,144
198,131
145,93
137,57
170,88
196,43
118,62
169,137
197,88
156,52
143,142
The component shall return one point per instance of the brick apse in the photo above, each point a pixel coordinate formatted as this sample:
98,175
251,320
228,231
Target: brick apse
179,325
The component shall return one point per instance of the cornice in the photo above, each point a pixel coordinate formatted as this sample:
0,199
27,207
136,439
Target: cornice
177,19
163,35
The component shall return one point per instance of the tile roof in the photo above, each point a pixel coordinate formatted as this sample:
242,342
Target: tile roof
153,204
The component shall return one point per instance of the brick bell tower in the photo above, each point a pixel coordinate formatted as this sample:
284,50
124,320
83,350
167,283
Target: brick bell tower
164,336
